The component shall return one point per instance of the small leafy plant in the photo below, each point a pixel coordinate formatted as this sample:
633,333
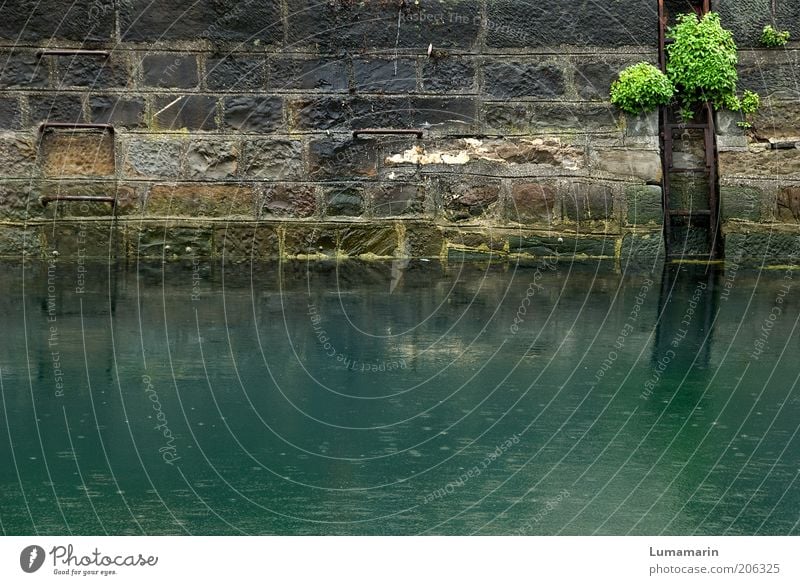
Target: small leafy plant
771,37
747,105
641,88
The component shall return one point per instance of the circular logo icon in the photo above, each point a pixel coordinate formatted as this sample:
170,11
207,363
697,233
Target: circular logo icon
31,558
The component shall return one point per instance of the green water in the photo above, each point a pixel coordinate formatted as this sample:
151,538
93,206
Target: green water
405,398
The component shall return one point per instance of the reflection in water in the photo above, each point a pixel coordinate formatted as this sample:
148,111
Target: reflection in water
351,398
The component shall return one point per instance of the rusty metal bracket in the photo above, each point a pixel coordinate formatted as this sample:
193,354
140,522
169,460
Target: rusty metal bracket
74,126
373,131
44,200
69,52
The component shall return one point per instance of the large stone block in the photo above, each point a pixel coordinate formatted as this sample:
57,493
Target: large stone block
646,246
316,74
118,111
177,70
517,79
255,114
173,240
216,20
77,153
398,200
644,203
191,112
126,199
76,238
43,20
310,240
788,205
465,202
778,119
384,75
18,242
347,201
739,202
288,201
369,240
19,201
211,159
236,73
91,71
760,162
342,24
532,203
273,159
201,200
589,202
337,159
557,116
17,156
55,107
247,241
153,157
642,164
511,23
770,73
768,245
23,69
448,75
10,114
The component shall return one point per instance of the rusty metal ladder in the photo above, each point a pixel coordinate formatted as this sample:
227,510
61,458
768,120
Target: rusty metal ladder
709,170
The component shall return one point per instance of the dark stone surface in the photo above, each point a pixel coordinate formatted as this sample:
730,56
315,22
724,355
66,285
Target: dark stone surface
55,107
193,112
10,114
517,79
121,112
397,200
788,205
532,203
563,116
740,203
289,201
172,240
90,71
471,201
385,76
310,240
346,24
320,74
217,20
273,159
594,78
328,113
323,113
644,204
646,246
506,117
78,20
511,23
589,202
747,18
375,240
239,242
236,73
208,160
765,246
773,74
344,202
257,114
333,159
170,70
17,155
19,201
446,75
460,112
23,70
153,157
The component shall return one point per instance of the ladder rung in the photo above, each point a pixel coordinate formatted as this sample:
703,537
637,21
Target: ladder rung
689,169
687,126
688,212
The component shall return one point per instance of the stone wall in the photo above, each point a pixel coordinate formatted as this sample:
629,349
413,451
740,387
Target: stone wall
233,129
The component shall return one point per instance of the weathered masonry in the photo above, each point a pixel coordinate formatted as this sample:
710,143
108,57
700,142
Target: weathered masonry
222,127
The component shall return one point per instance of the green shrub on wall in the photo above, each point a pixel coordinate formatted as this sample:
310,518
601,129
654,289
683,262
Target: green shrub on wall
772,37
701,67
641,88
